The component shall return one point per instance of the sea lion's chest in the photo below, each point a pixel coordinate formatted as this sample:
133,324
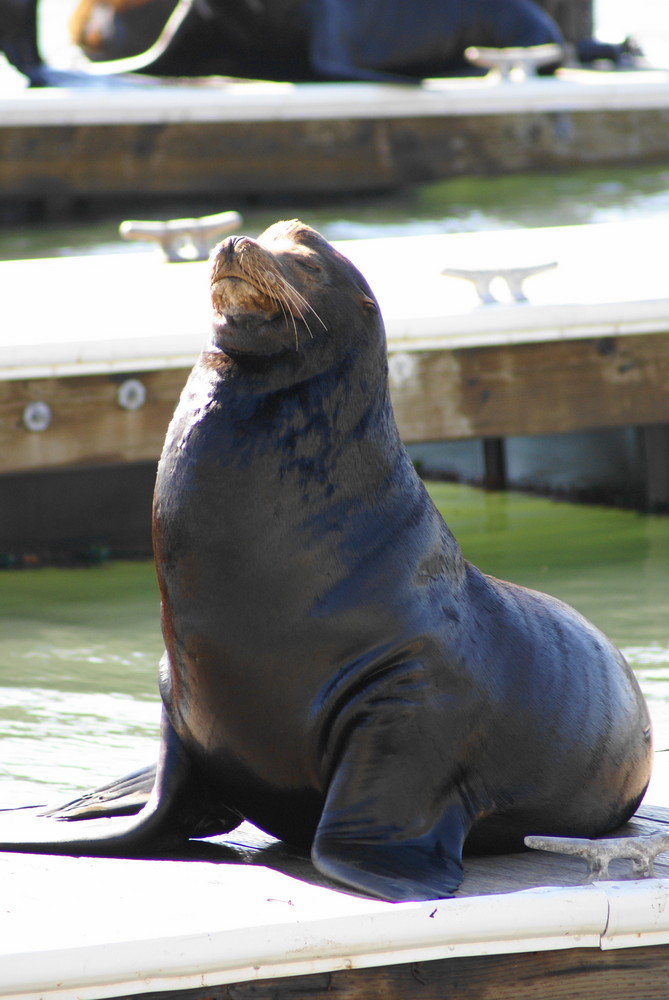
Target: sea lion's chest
294,546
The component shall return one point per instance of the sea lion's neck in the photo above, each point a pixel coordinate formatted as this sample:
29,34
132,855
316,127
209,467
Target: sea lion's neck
292,407
325,437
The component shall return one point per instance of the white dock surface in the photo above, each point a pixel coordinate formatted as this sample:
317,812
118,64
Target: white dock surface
570,90
93,928
132,312
85,929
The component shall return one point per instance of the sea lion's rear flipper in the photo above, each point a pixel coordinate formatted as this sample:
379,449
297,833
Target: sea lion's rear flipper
122,797
174,810
393,824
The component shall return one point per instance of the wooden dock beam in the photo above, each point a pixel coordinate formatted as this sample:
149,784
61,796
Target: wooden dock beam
552,975
540,388
486,393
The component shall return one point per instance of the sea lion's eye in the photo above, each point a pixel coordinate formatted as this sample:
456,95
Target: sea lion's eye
308,264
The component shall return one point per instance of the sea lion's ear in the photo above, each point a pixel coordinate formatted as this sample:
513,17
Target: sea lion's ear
368,303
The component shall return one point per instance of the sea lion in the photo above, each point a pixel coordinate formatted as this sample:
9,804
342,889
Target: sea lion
297,40
335,671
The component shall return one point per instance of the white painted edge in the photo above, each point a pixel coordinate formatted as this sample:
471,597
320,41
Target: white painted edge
603,915
526,323
224,101
441,321
486,326
638,914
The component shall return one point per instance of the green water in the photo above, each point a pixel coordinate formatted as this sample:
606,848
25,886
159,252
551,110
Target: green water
464,204
80,647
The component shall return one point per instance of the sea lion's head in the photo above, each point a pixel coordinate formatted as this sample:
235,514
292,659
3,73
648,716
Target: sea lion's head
289,291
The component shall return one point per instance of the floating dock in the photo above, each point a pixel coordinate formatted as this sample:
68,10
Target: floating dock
237,139
241,917
95,350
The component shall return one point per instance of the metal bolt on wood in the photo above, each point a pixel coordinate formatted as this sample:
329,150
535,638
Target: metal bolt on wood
36,416
131,394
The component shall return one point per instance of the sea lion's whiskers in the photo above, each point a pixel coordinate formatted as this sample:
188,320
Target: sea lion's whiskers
287,311
300,300
288,298
277,287
270,280
295,298
278,294
298,308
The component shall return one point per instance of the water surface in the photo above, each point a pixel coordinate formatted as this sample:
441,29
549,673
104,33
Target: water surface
458,205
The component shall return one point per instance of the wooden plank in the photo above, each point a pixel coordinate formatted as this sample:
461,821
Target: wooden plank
88,425
484,875
484,392
538,388
609,282
586,973
160,923
648,813
220,100
230,159
237,159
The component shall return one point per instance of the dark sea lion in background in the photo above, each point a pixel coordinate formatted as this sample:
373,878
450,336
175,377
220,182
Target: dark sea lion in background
335,671
313,39
18,34
19,42
394,40
296,40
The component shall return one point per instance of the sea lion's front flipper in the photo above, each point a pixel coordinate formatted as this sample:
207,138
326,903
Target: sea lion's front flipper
381,862
393,824
173,812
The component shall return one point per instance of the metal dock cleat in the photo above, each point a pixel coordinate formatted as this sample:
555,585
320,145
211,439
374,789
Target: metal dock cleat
514,277
598,854
183,239
515,63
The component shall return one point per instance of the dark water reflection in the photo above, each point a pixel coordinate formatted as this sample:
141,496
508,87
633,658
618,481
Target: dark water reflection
80,647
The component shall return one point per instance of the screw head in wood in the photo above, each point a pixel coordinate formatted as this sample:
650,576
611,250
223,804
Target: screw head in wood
36,416
131,394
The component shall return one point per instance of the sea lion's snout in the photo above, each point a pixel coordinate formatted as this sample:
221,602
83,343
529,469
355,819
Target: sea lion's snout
264,288
241,278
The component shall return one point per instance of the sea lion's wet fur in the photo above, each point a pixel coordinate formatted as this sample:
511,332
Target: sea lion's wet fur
335,671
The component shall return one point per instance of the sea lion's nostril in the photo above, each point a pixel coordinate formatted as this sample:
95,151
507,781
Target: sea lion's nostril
226,251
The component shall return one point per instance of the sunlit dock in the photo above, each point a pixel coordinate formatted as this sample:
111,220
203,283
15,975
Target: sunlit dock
95,350
225,138
244,917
